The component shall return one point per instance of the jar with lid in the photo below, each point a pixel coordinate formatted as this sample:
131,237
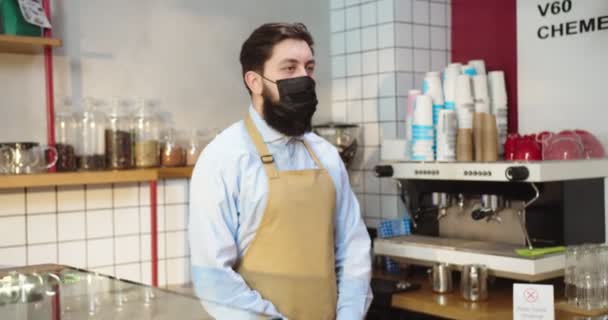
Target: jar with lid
147,127
118,136
90,146
198,140
65,137
172,153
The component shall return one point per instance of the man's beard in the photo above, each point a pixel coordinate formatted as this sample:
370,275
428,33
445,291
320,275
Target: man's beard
278,117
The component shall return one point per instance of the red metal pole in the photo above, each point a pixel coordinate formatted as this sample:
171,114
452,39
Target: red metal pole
48,74
153,232
56,303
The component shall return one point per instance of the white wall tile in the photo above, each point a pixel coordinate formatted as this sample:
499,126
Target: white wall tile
386,60
42,254
351,2
439,38
13,231
359,161
338,43
338,66
404,35
370,108
369,38
338,111
421,11
404,83
448,17
422,35
438,14
419,78
371,135
403,10
401,130
390,208
100,252
71,226
131,272
99,197
355,111
144,215
422,61
353,64
42,228
41,200
386,35
361,201
388,186
354,87
126,195
73,254
387,109
370,86
338,89
146,247
176,191
99,224
356,181
335,4
13,257
353,41
404,59
372,206
127,249
386,12
369,14
337,20
353,17
177,244
144,193
371,157
439,60
178,271
370,62
13,201
388,130
70,198
146,275
176,217
402,105
387,84
372,183
126,221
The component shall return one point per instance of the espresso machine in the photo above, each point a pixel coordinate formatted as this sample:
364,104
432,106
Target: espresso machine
481,213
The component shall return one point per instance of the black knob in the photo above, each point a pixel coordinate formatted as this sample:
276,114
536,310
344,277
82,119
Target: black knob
479,214
517,173
384,171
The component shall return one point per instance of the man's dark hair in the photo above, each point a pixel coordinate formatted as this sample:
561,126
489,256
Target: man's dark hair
257,49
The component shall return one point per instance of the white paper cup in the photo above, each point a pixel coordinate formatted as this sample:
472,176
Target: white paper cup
479,65
409,112
482,107
498,89
423,111
464,93
433,88
465,116
469,70
480,88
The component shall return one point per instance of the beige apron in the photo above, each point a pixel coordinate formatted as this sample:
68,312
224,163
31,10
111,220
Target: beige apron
290,262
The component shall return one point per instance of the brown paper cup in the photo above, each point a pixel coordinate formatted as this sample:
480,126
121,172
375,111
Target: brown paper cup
477,133
464,145
489,138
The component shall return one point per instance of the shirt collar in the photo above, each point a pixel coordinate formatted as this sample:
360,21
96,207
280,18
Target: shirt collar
269,135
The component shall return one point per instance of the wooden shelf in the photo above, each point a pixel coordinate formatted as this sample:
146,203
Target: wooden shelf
26,45
93,177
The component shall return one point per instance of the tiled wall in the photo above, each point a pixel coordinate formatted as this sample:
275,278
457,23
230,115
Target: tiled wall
104,228
380,50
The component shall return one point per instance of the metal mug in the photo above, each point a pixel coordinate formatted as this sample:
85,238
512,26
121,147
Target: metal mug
474,282
440,277
25,157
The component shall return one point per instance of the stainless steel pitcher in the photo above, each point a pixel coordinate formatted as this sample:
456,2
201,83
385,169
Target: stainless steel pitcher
440,276
474,282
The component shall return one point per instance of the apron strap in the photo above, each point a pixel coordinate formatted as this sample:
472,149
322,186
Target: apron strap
313,155
265,155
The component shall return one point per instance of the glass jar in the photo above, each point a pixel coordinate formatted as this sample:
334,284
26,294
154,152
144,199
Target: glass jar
147,126
65,138
90,148
199,139
118,136
172,153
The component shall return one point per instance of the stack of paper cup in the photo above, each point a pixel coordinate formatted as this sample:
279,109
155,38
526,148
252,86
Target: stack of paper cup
422,130
432,87
446,135
469,70
498,98
464,102
409,112
481,96
450,76
479,65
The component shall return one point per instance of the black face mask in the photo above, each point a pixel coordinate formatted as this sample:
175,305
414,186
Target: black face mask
292,115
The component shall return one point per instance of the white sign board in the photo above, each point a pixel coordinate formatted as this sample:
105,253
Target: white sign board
533,302
562,65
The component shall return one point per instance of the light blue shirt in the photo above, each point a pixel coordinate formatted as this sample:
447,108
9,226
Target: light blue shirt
228,195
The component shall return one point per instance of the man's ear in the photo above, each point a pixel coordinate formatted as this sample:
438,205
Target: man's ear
254,82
